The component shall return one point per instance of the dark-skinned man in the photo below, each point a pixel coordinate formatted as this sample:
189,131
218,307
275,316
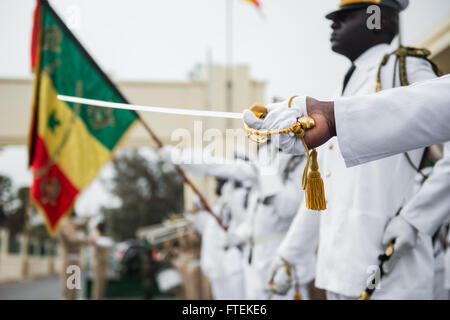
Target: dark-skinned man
362,201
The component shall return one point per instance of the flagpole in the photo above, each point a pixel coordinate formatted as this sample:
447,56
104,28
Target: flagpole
229,57
400,33
26,239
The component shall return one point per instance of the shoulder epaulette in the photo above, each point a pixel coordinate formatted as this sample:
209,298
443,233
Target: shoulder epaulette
401,54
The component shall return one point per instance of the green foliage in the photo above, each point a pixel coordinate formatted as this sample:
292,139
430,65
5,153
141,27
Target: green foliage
6,196
16,219
40,232
13,210
149,190
12,206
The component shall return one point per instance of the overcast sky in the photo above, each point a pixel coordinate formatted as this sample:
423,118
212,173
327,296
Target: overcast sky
162,40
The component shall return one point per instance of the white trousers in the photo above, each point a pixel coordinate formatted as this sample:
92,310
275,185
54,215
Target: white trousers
336,296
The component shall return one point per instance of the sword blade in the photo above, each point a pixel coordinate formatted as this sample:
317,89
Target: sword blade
126,106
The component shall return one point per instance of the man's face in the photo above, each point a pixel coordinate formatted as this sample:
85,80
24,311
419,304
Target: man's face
349,30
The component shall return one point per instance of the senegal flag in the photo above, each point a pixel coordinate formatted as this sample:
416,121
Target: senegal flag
68,142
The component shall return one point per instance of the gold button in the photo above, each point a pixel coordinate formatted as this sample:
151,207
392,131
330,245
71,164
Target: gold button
331,146
328,174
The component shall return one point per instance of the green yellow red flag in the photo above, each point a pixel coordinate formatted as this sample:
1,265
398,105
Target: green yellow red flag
68,143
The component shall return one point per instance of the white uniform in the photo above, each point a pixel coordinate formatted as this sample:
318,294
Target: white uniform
380,125
430,207
268,219
428,210
440,292
211,257
447,265
299,247
222,267
233,265
361,200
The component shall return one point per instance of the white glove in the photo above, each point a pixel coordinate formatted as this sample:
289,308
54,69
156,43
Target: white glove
280,116
232,241
279,276
238,236
405,236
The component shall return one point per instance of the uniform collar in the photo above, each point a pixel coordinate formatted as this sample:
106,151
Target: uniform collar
372,56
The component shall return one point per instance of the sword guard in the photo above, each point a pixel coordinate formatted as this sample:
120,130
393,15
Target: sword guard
306,122
259,110
390,249
259,136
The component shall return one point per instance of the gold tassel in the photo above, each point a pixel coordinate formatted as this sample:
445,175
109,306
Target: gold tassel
364,296
312,183
315,192
297,296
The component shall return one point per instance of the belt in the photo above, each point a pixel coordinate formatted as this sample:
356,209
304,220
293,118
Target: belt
267,238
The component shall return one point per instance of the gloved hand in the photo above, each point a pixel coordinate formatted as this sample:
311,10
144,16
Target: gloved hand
280,280
238,236
280,116
405,237
232,241
197,204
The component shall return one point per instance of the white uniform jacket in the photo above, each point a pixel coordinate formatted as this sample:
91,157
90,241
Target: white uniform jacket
447,264
430,207
299,247
222,267
376,126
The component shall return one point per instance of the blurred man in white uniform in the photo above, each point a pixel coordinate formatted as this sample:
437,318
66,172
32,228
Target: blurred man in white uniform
272,207
220,261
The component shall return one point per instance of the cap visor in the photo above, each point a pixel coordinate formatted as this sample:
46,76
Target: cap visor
333,15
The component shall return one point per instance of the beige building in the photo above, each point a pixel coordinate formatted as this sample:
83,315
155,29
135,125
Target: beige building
206,91
437,40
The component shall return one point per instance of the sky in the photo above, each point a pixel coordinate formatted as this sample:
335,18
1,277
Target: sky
287,46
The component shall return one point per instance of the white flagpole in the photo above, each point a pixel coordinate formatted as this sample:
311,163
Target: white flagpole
229,56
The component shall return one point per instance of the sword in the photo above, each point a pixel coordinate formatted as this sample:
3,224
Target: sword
127,106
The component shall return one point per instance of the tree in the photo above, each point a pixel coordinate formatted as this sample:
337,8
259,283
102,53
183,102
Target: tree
6,197
16,218
149,191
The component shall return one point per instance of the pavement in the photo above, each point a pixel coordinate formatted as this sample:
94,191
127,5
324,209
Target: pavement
48,288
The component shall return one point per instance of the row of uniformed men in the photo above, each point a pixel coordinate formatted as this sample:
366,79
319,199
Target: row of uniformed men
274,242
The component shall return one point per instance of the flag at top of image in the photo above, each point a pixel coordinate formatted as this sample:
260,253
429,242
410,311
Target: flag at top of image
255,2
68,142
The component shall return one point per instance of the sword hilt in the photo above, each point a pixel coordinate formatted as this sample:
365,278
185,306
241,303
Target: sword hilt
367,294
260,111
287,267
